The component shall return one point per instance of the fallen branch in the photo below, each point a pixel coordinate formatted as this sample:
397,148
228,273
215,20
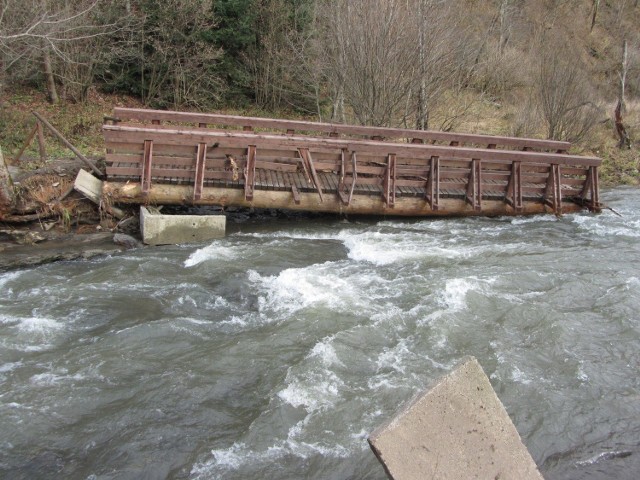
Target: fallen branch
53,130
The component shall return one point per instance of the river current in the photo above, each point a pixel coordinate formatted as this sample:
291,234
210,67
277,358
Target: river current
274,352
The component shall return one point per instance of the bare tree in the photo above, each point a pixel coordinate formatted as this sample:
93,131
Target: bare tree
565,100
623,135
370,58
444,58
41,29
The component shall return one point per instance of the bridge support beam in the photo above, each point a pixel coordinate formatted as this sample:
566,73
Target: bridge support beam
163,194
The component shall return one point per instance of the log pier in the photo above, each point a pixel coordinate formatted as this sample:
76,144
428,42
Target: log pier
161,157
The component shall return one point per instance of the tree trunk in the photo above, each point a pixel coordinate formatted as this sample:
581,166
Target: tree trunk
422,117
596,6
623,135
52,92
6,189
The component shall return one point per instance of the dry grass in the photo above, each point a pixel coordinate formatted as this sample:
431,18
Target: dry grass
46,192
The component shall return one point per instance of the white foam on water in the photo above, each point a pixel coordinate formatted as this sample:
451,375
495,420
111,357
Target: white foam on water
235,321
239,454
603,456
51,379
230,458
215,251
532,219
313,391
599,225
61,376
455,292
385,381
9,277
9,367
421,226
39,325
518,376
298,288
290,235
394,358
386,249
324,351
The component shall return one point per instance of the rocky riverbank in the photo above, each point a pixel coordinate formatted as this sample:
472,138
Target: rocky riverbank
14,255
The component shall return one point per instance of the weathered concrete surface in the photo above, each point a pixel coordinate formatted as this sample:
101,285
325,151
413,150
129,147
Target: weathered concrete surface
160,229
458,429
91,187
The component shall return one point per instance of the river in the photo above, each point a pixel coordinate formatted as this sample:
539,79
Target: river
273,352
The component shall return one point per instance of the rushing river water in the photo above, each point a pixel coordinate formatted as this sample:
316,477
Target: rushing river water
273,352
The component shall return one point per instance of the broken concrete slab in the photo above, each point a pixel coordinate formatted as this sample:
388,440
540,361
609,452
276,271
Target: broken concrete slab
158,229
91,187
457,429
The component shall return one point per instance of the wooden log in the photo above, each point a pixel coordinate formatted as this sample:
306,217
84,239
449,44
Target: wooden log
130,193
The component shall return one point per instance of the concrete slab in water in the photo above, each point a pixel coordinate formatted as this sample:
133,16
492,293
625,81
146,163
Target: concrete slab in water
174,229
458,429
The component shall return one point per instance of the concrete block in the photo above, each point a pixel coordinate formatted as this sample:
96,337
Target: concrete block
158,229
91,187
457,429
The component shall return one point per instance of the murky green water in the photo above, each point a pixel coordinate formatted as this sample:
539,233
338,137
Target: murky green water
274,352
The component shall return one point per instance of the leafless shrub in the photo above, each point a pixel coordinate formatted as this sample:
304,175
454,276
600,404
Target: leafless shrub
565,100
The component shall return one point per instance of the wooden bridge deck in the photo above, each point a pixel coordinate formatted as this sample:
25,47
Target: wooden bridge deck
208,159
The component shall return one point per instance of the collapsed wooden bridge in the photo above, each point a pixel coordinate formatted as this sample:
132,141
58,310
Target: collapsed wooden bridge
163,157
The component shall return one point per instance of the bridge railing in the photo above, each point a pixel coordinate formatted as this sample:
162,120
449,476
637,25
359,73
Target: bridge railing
172,119
346,167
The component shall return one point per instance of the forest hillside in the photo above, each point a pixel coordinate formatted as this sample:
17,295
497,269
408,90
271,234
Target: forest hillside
560,69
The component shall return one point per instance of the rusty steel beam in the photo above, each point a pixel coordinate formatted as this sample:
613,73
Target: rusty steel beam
553,191
173,136
432,190
514,188
310,168
389,185
337,129
474,185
